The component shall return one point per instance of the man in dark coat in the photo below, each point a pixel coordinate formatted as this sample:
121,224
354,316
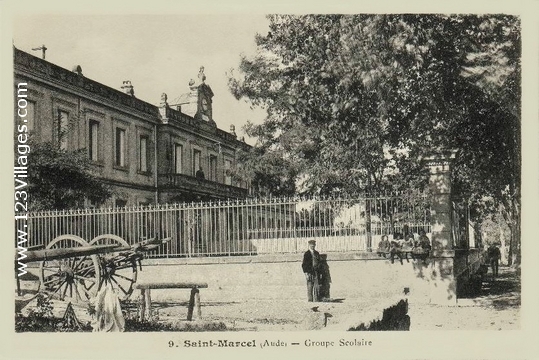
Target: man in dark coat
311,269
494,256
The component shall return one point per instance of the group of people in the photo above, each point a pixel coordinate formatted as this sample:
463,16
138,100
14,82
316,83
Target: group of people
405,244
316,269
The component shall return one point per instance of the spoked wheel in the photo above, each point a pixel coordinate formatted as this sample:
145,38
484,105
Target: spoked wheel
118,269
75,278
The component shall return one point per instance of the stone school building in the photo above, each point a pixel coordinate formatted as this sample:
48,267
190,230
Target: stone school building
147,153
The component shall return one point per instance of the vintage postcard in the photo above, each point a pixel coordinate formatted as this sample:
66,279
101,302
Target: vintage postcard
274,180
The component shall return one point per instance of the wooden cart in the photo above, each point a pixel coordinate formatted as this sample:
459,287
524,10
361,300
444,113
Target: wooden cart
74,269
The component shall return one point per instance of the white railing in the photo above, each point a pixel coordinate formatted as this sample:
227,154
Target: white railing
244,227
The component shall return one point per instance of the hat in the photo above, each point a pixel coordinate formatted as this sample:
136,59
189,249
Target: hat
312,242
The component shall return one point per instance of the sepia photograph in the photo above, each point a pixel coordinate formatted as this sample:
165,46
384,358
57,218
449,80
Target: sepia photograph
324,176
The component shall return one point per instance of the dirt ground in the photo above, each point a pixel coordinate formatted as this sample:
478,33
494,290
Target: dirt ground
497,307
271,308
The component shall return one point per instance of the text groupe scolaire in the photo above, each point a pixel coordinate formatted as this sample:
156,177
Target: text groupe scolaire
267,343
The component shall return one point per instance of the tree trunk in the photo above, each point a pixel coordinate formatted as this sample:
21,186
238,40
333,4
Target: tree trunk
514,226
504,257
368,224
516,231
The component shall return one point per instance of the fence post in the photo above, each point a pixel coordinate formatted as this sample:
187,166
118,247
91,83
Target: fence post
442,280
368,225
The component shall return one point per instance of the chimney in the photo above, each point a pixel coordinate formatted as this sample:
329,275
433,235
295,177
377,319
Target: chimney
127,87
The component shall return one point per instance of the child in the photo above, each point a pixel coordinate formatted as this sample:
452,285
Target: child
325,278
384,246
395,248
422,246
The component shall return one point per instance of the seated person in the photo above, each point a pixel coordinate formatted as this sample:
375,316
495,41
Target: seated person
398,239
383,246
422,246
424,241
407,245
395,248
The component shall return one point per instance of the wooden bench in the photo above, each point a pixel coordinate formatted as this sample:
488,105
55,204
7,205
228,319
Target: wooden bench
146,300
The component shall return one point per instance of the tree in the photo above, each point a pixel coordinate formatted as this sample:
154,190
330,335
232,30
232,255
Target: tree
266,170
58,179
355,101
294,78
495,230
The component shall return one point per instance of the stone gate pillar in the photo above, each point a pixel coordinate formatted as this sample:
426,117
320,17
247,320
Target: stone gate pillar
440,275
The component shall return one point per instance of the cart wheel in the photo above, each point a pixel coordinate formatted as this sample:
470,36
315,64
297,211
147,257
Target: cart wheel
118,269
75,278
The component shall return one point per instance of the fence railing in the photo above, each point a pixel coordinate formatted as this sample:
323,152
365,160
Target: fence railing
463,230
244,227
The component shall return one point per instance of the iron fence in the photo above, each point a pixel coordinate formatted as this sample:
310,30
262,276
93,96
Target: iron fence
464,233
244,227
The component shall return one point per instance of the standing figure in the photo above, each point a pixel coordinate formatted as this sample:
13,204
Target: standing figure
311,269
494,256
200,174
324,279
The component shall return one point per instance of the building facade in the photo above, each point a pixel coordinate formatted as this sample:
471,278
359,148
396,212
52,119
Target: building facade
147,153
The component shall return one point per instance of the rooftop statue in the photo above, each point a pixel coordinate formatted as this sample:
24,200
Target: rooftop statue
201,75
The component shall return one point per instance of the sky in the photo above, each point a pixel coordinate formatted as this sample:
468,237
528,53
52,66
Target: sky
157,53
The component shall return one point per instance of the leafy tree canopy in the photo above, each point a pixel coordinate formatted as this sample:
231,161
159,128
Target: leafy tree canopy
354,101
58,179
